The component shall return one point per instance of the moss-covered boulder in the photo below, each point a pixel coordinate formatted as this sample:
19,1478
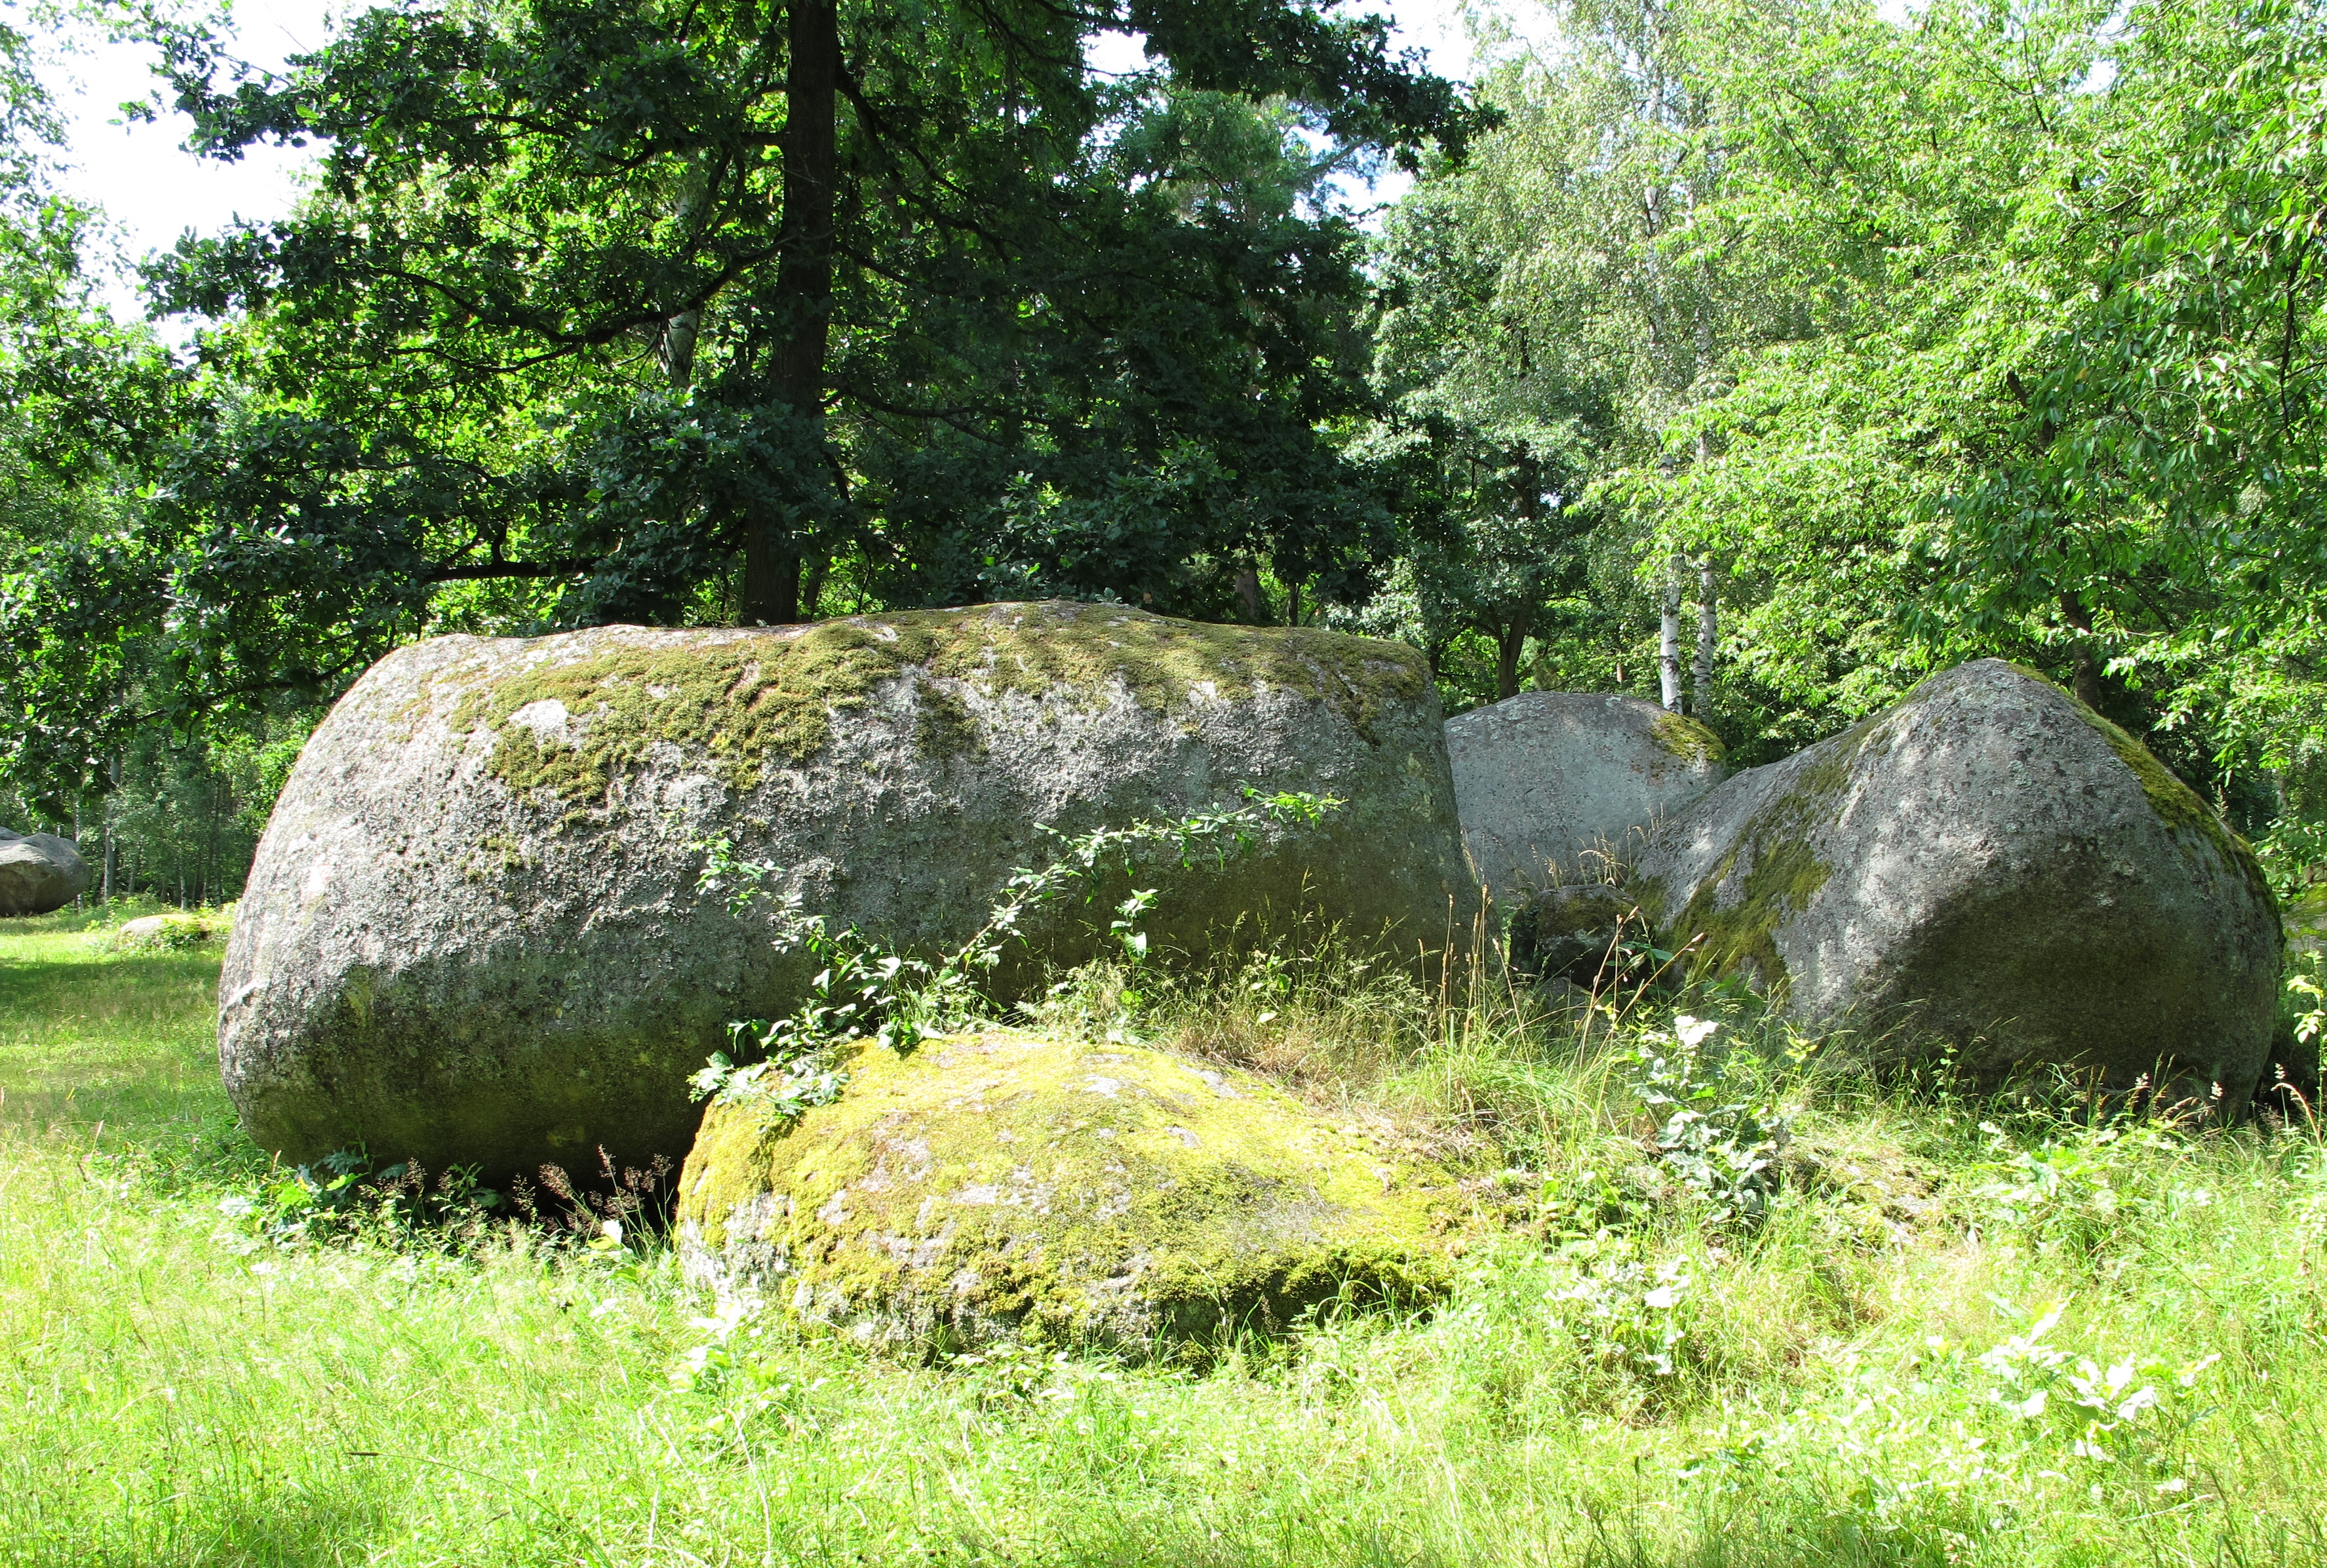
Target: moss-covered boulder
1101,1195
1989,868
473,931
1551,784
2304,921
40,872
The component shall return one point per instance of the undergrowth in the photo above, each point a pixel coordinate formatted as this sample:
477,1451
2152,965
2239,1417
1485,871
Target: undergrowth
1730,1301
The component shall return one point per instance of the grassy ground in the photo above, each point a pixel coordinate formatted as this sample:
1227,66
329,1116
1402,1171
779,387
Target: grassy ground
1963,1333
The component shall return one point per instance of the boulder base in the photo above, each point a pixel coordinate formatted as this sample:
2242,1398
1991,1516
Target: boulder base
39,872
474,931
1570,933
1100,1195
1992,869
1554,786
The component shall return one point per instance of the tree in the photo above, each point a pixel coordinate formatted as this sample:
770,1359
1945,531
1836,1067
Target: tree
72,380
1536,335
648,312
1495,425
2055,280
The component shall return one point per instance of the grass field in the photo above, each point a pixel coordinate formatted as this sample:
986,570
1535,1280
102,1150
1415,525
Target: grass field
1963,1333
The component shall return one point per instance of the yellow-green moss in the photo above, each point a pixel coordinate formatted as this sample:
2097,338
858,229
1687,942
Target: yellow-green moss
1783,873
1687,738
1005,1180
752,699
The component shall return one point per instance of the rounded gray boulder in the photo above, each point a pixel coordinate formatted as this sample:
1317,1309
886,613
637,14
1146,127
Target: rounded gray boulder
40,872
473,932
1548,781
1992,869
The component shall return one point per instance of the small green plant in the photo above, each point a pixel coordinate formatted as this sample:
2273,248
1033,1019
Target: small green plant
1625,1310
864,989
2110,1414
2080,1191
2308,985
344,1195
1722,1140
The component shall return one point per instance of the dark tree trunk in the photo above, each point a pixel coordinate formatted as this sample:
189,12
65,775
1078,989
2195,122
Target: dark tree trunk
2084,662
1247,588
1510,641
771,564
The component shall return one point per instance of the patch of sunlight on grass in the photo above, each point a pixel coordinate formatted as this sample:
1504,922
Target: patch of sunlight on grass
90,1035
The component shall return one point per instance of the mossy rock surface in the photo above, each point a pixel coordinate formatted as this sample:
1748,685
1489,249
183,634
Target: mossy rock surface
474,934
1008,1184
1991,868
1554,787
2304,920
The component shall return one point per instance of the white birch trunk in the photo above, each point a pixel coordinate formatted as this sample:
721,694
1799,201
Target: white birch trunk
1668,637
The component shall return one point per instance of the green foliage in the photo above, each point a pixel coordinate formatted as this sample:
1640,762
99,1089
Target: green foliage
863,989
1716,1135
692,312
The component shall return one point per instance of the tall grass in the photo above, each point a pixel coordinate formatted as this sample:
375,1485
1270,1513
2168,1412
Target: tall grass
1966,1332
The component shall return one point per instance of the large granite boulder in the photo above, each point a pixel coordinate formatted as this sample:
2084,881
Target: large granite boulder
1097,1195
1991,868
40,872
1548,784
473,931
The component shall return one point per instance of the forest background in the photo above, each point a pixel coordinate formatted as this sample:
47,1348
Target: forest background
1756,357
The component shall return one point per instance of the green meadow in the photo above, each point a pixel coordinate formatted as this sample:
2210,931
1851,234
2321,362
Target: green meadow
1933,1331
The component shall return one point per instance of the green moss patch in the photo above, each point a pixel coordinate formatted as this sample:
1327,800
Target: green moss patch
1782,871
1068,1193
753,699
1687,738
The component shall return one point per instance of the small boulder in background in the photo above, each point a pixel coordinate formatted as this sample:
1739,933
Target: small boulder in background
1106,1196
2304,920
170,928
1988,869
39,872
1548,782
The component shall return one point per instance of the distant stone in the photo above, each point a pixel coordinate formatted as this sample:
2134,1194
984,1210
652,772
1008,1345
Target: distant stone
1106,1196
40,872
1559,786
1989,869
171,930
144,929
2304,919
473,931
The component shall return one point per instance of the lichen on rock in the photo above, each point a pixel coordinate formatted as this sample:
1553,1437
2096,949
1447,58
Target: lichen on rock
1688,739
1070,1193
475,933
1988,869
754,699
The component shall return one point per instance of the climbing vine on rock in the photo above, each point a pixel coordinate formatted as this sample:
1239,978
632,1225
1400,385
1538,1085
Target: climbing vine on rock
865,989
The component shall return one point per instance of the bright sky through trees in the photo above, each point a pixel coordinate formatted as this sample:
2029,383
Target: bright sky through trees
155,191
